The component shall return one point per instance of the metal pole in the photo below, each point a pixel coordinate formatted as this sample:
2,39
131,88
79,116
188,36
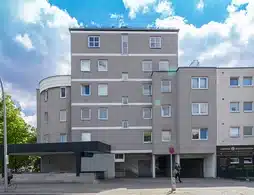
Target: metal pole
5,139
171,170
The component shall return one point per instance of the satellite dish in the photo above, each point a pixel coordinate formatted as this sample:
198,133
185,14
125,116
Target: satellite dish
194,63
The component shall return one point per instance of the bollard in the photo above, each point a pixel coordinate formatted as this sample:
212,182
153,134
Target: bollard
173,182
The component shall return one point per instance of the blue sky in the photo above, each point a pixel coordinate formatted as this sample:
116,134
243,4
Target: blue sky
34,36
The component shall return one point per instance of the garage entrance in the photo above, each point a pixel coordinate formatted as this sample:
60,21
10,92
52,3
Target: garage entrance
192,168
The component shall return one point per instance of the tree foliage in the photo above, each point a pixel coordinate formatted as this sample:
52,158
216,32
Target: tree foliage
18,132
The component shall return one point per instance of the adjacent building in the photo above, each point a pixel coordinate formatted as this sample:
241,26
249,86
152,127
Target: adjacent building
126,90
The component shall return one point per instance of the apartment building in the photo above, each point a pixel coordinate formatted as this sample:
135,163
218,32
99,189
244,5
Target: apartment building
126,90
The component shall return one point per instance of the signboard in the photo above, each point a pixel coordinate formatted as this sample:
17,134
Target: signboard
171,150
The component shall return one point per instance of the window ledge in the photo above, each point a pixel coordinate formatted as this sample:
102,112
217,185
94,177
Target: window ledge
199,88
147,142
86,119
234,137
248,85
200,139
246,111
234,111
248,136
234,86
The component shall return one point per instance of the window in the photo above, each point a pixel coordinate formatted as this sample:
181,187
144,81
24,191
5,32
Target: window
94,41
62,92
199,82
147,89
247,106
119,157
85,90
164,66
62,115
85,65
147,113
125,124
147,137
247,160
85,113
165,86
124,76
248,131
125,100
102,89
63,138
155,42
199,108
103,113
86,137
46,95
46,117
234,132
234,161
147,65
166,136
46,138
234,81
102,65
200,134
247,81
166,110
234,107
124,44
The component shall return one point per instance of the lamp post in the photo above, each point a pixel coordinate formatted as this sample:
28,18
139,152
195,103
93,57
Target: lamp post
5,138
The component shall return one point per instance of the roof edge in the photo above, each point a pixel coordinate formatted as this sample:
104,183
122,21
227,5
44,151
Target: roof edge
54,76
125,29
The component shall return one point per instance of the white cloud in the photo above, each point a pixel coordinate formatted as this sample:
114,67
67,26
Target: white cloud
229,43
200,5
25,41
137,5
165,8
119,19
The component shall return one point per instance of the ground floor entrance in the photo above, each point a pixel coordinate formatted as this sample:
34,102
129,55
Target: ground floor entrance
192,168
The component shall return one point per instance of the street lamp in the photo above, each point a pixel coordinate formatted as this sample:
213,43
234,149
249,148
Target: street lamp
5,138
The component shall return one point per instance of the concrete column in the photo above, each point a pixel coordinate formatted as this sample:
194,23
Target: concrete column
177,158
153,166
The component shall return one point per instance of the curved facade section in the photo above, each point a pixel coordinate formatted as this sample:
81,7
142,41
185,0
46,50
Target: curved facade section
55,81
54,109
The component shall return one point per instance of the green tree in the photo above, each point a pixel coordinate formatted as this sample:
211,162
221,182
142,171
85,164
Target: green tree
18,132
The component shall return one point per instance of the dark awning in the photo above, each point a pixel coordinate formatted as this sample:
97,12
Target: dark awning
67,147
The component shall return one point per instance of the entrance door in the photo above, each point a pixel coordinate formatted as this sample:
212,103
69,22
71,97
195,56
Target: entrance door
144,168
192,168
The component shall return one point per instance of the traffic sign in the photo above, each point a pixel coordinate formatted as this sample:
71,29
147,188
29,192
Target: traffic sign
171,150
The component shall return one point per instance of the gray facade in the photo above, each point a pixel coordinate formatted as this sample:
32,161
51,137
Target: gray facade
139,155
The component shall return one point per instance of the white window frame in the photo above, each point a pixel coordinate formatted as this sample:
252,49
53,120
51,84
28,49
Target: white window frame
145,64
150,112
248,77
234,163
99,114
239,129
125,40
156,40
168,86
170,135
250,158
89,135
81,114
147,142
87,69
199,109
125,121
251,131
234,78
63,118
63,135
232,111
125,76
144,89
61,92
106,89
169,111
127,100
106,65
46,95
88,41
251,106
81,87
119,159
199,130
199,85
162,64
